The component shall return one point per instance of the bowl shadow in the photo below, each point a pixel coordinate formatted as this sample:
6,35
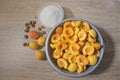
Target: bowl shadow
108,55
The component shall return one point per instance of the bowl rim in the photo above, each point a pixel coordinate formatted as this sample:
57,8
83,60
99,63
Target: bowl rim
70,75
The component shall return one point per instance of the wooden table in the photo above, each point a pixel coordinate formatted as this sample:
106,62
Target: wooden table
18,62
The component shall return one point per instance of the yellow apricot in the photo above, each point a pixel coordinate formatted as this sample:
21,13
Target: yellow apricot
76,30
75,23
81,43
74,38
39,55
72,67
55,38
85,26
92,33
97,45
41,41
87,43
88,50
90,39
64,38
82,60
92,59
97,53
53,45
78,23
72,58
74,48
62,63
33,45
57,54
67,50
66,55
82,35
59,30
80,68
68,32
66,25
61,45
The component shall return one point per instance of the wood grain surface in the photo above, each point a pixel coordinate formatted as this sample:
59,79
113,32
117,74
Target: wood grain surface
18,62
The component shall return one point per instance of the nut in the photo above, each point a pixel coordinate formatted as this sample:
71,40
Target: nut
26,24
43,32
25,44
33,25
26,30
26,36
39,28
43,27
27,27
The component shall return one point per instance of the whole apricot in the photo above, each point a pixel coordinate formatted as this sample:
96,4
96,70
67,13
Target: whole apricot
41,41
33,34
39,55
33,45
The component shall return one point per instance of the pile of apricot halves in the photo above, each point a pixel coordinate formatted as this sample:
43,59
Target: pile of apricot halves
75,46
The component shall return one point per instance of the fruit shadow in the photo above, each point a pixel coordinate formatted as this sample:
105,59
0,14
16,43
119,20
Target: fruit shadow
67,13
108,55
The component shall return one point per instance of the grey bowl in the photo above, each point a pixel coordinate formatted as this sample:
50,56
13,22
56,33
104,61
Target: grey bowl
65,72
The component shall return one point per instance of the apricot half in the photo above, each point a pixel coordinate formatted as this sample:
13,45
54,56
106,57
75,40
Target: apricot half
55,38
88,50
74,38
74,48
97,53
62,63
82,35
67,50
72,67
92,59
85,26
68,32
67,24
72,58
75,23
78,23
81,43
82,60
59,30
66,55
61,45
92,33
53,45
90,39
80,68
57,54
96,45
76,30
64,38
87,43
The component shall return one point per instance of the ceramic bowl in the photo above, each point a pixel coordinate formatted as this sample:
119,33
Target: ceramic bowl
64,72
